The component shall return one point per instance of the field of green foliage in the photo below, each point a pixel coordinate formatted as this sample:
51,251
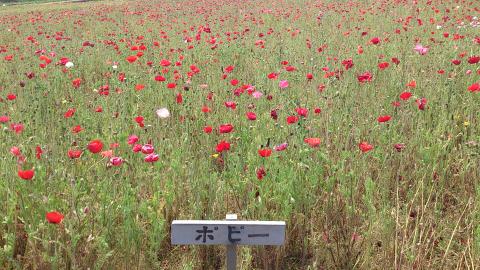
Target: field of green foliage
355,122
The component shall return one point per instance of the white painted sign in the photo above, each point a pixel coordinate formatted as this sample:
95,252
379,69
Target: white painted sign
227,232
230,232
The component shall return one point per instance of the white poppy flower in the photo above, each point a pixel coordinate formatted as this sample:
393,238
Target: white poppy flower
163,113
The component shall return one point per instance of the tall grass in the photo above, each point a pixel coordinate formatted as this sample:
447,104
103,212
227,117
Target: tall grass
344,209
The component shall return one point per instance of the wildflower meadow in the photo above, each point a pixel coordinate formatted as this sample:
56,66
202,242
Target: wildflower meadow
354,121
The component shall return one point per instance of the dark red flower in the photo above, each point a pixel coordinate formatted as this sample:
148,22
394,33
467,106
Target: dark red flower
474,59
273,114
399,147
456,62
365,77
226,128
347,64
422,102
375,40
261,173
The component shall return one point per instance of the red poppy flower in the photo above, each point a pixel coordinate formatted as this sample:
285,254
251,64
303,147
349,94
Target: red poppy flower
139,120
165,63
38,152
261,173
272,76
405,95
474,59
313,142
159,78
412,84
4,119
347,64
207,129
422,102
95,146
151,158
132,58
223,146
226,128
11,96
230,104
16,127
365,77
399,147
266,152
73,154
474,87
54,217
26,175
69,113
206,109
383,65
251,116
384,118
290,68
365,147
77,129
76,82
302,111
375,40
292,119
309,76
229,69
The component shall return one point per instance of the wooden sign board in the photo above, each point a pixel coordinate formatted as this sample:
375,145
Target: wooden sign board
227,232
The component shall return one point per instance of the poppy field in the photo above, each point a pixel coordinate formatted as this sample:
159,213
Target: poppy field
355,122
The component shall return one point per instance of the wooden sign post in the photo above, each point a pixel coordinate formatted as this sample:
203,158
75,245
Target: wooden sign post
230,232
